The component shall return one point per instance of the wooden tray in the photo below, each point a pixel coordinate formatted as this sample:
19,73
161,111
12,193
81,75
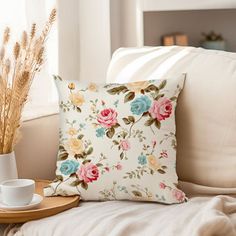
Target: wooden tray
48,207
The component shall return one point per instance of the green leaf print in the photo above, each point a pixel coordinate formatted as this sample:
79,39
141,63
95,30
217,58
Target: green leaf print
129,97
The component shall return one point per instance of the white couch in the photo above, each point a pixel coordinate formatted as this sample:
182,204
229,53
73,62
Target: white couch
206,152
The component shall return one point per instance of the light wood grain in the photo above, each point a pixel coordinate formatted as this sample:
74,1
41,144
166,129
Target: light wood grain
48,207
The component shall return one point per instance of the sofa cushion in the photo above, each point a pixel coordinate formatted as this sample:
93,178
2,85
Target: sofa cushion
206,114
118,141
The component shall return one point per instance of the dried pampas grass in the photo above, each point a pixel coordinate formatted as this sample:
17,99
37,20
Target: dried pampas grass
16,76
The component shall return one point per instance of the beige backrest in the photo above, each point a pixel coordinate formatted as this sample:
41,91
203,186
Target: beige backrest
206,111
36,152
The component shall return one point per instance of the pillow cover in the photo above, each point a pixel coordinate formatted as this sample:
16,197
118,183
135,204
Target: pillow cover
117,141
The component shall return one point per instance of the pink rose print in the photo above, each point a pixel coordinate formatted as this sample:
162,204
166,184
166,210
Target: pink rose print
125,145
164,154
88,172
118,166
107,118
161,109
154,143
178,195
162,185
107,169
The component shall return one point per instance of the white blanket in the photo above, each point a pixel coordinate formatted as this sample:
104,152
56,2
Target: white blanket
200,216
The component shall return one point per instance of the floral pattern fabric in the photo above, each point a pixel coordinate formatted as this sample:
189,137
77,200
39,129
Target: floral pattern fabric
117,141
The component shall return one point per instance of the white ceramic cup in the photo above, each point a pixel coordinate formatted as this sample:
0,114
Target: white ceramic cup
17,192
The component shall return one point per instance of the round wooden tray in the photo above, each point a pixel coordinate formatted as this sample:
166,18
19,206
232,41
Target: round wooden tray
48,207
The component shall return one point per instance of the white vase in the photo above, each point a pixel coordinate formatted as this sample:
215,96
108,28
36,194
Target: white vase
8,169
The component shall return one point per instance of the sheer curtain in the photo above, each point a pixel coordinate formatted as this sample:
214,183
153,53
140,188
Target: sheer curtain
19,15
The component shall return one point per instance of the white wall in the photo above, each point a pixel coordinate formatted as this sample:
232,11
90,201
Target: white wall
84,39
95,39
124,26
128,23
115,24
89,32
166,5
69,45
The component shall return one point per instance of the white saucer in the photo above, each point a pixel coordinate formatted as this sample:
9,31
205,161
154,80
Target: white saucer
37,199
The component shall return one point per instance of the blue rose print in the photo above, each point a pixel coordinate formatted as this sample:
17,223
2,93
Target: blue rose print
140,105
69,167
142,160
100,132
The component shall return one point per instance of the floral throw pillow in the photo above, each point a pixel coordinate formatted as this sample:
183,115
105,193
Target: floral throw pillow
117,141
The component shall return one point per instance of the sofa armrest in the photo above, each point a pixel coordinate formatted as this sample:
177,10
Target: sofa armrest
36,152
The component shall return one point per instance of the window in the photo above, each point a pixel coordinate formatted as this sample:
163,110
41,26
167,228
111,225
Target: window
19,15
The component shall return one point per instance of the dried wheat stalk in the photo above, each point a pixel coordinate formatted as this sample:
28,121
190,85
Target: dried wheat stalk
16,76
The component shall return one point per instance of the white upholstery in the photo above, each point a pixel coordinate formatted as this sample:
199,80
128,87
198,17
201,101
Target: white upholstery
206,111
